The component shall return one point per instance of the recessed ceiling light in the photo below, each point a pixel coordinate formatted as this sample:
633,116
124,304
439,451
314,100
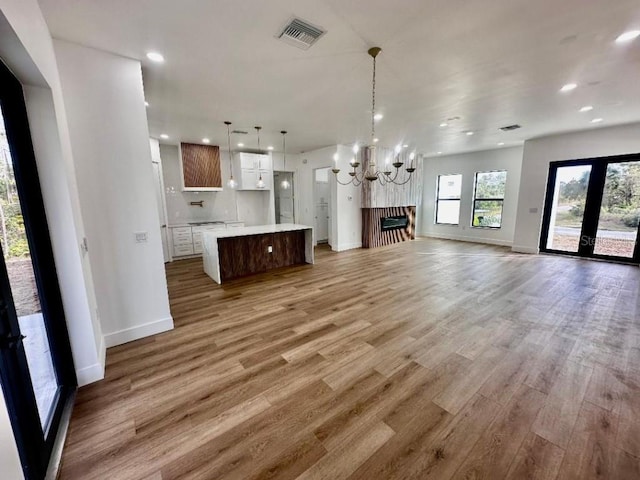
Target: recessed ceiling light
155,57
405,146
375,140
500,144
241,144
444,124
378,116
146,104
597,120
270,147
568,87
164,136
470,133
628,36
586,108
205,140
439,153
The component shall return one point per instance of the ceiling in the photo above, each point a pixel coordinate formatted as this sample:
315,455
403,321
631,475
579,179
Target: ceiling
486,63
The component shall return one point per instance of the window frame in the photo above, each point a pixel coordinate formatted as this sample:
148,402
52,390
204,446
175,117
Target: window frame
438,199
493,199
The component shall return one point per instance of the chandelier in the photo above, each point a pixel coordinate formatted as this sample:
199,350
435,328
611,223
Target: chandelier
370,171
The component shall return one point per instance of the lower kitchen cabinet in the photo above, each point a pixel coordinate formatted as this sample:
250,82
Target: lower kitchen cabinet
187,241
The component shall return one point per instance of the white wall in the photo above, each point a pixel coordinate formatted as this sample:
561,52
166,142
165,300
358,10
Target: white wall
26,47
348,199
538,153
345,225
10,466
104,101
509,159
305,180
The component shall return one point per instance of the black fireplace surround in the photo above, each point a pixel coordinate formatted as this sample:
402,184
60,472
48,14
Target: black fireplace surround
396,222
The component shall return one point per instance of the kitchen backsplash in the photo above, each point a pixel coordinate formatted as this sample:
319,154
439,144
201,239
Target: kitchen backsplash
251,207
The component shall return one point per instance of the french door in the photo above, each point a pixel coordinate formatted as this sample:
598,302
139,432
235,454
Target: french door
592,208
36,367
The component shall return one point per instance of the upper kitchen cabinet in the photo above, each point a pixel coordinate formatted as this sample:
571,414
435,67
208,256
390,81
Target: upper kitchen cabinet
248,168
200,168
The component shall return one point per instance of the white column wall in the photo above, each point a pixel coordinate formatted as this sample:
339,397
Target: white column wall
104,101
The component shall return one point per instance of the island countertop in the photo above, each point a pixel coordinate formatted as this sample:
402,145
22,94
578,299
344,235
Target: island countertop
242,251
257,230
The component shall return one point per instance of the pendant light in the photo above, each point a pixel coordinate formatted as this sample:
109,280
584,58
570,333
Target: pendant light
285,183
260,183
231,183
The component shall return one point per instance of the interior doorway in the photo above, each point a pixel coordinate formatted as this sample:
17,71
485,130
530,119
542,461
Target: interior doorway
593,208
321,194
284,197
36,367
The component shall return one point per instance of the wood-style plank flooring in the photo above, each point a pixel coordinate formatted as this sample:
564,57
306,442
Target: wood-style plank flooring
428,359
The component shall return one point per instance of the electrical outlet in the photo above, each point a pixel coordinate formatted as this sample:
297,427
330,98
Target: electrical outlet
270,249
141,237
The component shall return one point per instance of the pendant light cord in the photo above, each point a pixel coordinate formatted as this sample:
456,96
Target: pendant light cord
259,153
373,102
228,124
284,150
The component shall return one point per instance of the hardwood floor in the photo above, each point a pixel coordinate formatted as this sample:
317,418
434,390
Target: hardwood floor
427,359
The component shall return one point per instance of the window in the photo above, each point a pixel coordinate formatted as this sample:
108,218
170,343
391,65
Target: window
488,199
448,199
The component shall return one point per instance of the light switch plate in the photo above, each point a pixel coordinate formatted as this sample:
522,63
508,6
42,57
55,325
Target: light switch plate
270,249
141,237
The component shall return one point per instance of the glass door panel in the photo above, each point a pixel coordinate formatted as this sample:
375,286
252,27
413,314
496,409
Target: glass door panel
617,231
567,209
26,298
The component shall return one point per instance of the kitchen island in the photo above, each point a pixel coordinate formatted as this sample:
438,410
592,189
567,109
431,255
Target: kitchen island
244,251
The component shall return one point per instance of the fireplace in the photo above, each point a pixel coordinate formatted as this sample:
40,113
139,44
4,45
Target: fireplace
387,225
395,222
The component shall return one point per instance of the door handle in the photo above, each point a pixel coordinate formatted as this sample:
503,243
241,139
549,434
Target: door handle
10,342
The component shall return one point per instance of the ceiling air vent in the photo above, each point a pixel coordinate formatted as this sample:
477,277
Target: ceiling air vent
239,132
300,34
508,128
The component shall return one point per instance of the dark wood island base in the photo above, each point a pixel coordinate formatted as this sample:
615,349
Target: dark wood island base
241,256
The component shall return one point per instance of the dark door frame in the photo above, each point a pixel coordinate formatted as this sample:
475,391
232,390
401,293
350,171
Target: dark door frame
595,192
34,445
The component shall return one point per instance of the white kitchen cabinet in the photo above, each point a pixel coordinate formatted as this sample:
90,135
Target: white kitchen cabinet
182,240
249,166
197,235
188,240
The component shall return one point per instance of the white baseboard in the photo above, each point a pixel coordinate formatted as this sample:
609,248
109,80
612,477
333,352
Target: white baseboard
140,331
346,246
90,374
461,238
523,249
94,372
